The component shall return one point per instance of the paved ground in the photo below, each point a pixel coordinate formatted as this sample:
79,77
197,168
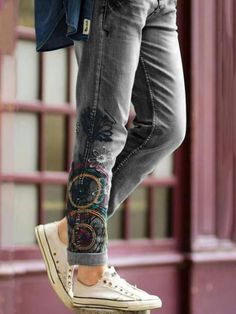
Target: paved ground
101,311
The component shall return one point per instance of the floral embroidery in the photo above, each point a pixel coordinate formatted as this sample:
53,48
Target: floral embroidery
99,129
101,156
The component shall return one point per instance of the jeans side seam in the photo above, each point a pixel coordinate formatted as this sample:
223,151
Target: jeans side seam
154,120
96,96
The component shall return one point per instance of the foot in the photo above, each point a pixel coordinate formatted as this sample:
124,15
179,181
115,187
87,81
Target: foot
113,292
54,253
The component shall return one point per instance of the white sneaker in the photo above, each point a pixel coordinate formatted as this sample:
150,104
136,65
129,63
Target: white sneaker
113,292
54,253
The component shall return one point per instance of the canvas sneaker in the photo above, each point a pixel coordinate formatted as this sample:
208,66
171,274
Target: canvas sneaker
54,253
113,292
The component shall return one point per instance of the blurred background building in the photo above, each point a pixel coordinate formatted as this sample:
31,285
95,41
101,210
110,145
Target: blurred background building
175,236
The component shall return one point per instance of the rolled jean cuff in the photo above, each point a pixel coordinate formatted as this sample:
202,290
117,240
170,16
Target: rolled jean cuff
75,258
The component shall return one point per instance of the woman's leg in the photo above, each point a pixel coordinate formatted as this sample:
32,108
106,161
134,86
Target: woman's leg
158,96
159,100
106,73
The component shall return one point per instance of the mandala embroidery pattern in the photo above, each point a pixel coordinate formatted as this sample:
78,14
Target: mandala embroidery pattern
86,211
84,236
87,187
89,231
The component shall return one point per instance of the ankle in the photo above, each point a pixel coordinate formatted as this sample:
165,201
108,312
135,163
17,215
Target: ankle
89,275
62,231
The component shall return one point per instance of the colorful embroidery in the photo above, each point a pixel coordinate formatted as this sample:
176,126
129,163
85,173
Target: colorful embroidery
87,186
83,236
89,232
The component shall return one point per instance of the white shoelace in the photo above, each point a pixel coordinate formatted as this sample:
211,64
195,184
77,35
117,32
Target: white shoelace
121,284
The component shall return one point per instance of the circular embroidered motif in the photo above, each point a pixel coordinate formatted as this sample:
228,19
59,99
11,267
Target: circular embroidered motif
89,231
84,190
87,187
83,236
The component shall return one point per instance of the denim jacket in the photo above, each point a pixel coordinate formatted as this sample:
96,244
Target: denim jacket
59,22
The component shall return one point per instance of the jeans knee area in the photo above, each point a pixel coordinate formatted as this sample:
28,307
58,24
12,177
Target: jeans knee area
169,136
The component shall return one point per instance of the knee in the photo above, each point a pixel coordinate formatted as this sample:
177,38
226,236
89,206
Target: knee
169,135
176,134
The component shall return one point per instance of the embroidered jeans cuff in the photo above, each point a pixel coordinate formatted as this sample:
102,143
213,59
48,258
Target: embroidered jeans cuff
92,259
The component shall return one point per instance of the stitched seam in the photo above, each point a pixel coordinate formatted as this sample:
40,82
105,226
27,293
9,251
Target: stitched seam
96,96
154,119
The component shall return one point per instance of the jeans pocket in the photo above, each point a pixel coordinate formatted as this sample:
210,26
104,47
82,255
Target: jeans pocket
113,6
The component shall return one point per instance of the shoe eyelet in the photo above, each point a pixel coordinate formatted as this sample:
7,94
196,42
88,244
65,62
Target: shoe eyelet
104,281
54,253
110,283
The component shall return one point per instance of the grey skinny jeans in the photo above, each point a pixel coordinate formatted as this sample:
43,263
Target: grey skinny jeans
132,55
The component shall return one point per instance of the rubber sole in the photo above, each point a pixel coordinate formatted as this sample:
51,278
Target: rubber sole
116,305
54,279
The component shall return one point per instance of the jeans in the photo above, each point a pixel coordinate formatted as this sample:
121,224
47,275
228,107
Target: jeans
132,55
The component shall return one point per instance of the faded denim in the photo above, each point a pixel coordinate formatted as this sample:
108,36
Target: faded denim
133,55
